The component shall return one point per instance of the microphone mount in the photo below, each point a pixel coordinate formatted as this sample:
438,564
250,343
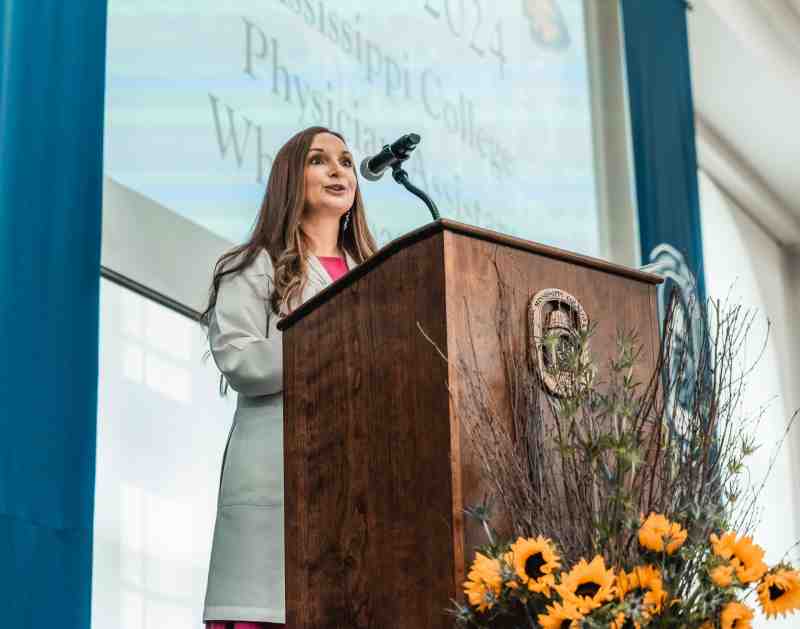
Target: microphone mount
401,177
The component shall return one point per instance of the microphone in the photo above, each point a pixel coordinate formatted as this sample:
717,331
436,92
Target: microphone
372,168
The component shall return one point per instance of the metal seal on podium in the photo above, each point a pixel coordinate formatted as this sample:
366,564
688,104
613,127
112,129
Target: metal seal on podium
554,319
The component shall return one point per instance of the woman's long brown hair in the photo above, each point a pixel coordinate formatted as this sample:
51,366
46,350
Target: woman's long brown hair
278,229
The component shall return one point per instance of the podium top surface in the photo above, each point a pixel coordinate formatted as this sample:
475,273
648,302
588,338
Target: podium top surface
444,224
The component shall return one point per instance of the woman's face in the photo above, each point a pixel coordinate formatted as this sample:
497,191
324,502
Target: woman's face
330,177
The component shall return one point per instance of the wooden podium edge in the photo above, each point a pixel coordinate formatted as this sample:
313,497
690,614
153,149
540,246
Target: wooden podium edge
444,224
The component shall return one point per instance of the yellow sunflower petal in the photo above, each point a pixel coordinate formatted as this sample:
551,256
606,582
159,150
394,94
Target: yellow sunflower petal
588,585
779,592
658,534
646,581
722,575
746,557
483,582
560,616
736,616
750,556
723,546
535,561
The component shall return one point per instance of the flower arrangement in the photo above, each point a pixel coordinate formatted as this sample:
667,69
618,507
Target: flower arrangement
526,578
626,500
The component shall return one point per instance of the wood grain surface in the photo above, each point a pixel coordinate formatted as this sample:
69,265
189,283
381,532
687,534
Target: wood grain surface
367,452
378,467
473,269
444,224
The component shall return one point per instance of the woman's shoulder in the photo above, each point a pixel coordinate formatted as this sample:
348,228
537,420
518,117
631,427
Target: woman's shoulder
261,263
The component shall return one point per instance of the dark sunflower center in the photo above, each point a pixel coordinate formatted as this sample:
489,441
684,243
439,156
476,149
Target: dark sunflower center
638,592
587,589
775,592
565,624
628,624
533,566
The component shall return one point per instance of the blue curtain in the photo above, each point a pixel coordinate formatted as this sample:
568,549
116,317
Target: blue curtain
662,121
52,64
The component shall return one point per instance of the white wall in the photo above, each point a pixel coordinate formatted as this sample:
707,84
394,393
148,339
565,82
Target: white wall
743,261
152,245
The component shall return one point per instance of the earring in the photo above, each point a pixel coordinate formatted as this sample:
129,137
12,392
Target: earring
346,220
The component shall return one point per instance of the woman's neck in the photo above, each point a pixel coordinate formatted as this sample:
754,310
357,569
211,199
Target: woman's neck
323,236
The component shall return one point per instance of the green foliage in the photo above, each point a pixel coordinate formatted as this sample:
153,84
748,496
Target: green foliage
584,468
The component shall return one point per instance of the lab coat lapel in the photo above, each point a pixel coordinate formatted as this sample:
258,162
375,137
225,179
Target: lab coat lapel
318,278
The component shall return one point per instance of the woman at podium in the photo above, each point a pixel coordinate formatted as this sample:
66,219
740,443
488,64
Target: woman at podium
310,230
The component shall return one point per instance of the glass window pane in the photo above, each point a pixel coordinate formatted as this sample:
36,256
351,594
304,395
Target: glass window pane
161,432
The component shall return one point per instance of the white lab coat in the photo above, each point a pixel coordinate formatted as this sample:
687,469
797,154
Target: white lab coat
246,571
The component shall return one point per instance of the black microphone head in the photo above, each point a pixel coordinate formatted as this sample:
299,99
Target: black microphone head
372,168
366,173
406,144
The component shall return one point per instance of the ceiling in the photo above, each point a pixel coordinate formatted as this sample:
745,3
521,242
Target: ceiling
745,64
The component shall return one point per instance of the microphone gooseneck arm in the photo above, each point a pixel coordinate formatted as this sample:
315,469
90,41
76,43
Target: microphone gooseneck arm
393,155
401,177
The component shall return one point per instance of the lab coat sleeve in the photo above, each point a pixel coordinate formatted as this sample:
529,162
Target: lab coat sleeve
243,334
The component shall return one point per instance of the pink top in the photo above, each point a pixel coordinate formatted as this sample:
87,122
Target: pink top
335,266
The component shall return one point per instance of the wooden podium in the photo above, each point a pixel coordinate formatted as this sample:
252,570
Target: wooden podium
377,467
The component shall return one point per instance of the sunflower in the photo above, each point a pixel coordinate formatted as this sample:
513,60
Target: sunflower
746,557
483,585
722,575
534,561
723,546
656,530
644,581
559,616
588,585
779,592
736,616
